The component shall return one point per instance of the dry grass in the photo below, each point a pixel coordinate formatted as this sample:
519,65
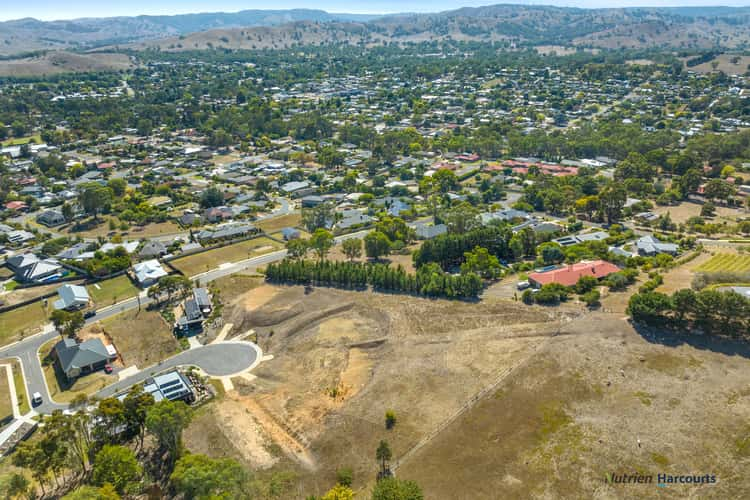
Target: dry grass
278,223
64,62
111,291
22,321
142,338
205,261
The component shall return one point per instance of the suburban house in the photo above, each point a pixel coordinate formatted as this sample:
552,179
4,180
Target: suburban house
195,310
569,275
172,385
649,246
218,214
31,269
80,359
50,218
290,233
152,249
429,231
18,237
573,239
72,298
148,272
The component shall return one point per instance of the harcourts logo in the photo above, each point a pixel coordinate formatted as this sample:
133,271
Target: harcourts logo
661,480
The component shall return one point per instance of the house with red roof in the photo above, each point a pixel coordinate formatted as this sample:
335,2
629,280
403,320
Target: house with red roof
570,274
16,205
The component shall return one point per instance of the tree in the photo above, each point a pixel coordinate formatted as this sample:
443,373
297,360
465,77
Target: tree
339,492
551,253
297,248
648,307
212,197
591,298
117,186
321,242
444,180
320,216
345,476
94,198
461,218
377,245
481,262
16,486
717,189
109,417
383,454
106,492
67,323
67,211
31,456
612,200
117,466
166,421
352,248
390,419
391,488
199,476
137,403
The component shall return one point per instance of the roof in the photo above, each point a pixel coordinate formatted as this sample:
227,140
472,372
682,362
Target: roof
569,275
171,385
74,355
148,270
71,295
152,248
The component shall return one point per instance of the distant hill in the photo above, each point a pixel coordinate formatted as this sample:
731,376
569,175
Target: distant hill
27,35
515,25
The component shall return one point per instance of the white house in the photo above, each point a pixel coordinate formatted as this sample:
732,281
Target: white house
72,297
148,272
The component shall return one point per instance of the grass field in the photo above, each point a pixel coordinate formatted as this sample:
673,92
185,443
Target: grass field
111,291
92,229
21,321
142,338
22,140
725,262
60,388
278,223
23,400
6,409
202,262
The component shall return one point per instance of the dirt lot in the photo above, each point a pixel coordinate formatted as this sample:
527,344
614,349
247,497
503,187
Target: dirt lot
64,62
685,210
141,338
564,396
341,359
202,262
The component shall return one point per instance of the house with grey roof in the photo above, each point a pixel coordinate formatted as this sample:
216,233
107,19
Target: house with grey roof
152,249
76,359
72,297
50,218
429,231
649,245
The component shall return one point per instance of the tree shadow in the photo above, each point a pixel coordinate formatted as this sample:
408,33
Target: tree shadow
675,338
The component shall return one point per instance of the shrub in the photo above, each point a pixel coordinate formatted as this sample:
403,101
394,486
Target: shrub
390,419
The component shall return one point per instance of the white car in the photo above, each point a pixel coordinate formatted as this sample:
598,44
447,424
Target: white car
523,285
36,399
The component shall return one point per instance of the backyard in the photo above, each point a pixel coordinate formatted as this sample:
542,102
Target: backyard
205,261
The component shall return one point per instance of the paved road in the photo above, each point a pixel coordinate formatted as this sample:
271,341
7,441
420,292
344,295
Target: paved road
206,357
217,360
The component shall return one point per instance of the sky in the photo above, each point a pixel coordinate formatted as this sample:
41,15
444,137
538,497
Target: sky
70,9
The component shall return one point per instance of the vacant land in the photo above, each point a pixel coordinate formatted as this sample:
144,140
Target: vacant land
94,228
726,262
64,62
731,64
340,361
142,338
541,401
111,291
277,223
205,261
687,209
22,321
17,141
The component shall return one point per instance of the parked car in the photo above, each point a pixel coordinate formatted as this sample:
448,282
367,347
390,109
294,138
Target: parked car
523,285
36,399
108,368
89,314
